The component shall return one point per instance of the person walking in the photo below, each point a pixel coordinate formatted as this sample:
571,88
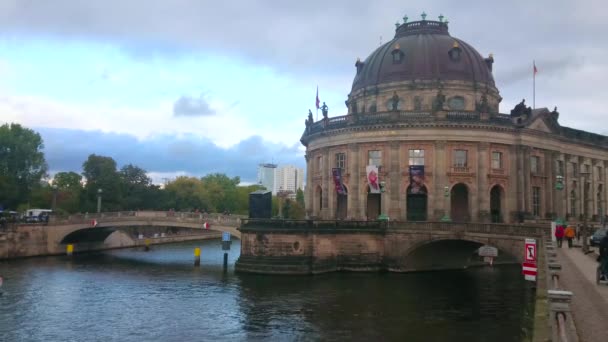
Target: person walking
559,235
569,234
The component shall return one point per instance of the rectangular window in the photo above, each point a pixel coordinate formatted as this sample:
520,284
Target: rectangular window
536,201
416,157
497,160
559,167
599,174
341,160
375,158
534,164
319,163
587,168
573,203
574,169
460,158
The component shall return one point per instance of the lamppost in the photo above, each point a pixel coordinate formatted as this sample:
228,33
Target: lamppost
54,204
559,186
446,215
99,191
585,246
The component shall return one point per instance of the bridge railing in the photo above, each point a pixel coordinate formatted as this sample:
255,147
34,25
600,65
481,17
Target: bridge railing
166,216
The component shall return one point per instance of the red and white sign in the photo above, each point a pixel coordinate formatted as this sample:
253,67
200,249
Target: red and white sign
530,250
94,223
529,270
206,225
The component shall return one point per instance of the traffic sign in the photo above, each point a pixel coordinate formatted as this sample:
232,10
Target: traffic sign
529,270
225,236
530,250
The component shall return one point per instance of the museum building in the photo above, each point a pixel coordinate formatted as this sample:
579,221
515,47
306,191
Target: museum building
423,140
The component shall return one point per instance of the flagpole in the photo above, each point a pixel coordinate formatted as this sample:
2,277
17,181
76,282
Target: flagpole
533,84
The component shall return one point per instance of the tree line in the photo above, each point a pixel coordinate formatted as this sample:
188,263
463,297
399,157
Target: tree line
25,183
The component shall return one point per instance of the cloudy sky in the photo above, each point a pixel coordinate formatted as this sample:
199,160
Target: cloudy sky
193,86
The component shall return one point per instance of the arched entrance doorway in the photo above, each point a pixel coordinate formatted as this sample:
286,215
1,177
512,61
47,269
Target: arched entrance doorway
342,205
318,201
373,205
496,204
416,204
459,203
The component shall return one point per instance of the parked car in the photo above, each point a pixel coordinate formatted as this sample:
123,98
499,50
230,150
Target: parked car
597,236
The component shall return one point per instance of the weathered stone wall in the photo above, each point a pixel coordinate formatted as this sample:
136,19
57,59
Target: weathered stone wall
318,249
38,240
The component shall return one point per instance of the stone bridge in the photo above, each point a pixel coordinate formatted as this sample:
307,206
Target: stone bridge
304,247
88,232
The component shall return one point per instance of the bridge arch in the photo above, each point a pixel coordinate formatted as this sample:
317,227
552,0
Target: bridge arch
456,251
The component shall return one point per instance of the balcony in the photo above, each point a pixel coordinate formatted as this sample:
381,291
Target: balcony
460,169
500,171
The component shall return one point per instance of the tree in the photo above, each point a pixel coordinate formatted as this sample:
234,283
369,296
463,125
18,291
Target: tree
300,197
68,191
100,173
22,164
221,190
186,193
136,187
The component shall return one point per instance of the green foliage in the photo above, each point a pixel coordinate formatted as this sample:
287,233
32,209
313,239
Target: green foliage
100,173
68,191
136,187
22,164
293,210
300,197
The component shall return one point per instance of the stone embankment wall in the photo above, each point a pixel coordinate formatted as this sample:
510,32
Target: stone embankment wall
310,247
39,240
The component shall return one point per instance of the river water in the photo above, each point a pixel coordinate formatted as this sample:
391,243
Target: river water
132,295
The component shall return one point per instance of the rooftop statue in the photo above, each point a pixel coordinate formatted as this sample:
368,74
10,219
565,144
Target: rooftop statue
324,110
483,106
309,121
521,109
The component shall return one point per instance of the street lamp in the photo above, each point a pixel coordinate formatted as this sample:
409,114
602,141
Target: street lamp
559,185
54,204
99,191
446,194
585,246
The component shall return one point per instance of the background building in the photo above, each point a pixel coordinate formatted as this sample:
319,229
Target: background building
266,176
422,139
289,178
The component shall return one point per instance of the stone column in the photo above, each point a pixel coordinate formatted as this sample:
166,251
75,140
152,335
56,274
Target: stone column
326,212
549,193
308,196
512,193
440,205
526,188
354,208
394,177
483,193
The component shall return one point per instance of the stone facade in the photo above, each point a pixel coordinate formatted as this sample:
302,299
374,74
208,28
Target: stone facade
479,165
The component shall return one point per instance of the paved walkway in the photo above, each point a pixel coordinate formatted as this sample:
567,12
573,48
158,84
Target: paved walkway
590,301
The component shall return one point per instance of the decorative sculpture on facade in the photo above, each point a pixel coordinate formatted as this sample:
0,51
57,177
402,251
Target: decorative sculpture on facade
309,121
521,109
439,101
394,102
483,106
324,110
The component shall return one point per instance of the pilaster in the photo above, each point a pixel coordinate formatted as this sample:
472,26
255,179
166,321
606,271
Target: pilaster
483,193
440,205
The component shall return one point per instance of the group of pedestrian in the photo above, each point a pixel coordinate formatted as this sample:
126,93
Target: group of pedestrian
569,233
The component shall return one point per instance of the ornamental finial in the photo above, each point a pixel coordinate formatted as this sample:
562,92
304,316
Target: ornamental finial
441,18
397,25
405,18
423,15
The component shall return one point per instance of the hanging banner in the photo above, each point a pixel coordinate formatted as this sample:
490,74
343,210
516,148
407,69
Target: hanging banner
337,175
373,179
417,179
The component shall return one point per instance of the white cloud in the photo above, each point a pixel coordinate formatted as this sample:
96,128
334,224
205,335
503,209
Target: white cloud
225,129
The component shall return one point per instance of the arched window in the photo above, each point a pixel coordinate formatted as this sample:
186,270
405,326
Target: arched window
456,103
572,203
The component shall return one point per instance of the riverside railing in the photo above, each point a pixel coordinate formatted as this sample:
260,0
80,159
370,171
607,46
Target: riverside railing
560,316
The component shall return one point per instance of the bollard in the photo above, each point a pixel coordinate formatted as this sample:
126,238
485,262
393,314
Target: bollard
69,249
147,245
197,256
225,261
